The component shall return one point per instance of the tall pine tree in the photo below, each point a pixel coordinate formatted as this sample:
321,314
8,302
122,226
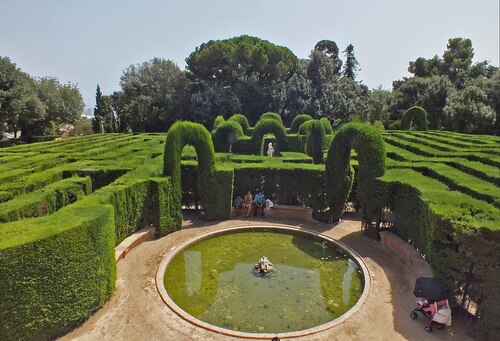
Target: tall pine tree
351,65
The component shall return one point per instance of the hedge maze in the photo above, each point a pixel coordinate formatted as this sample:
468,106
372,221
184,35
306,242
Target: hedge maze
65,205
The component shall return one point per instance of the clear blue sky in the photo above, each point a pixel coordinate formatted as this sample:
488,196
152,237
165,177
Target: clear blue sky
91,42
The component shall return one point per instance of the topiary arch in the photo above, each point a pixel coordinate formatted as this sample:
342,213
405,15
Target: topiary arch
271,115
416,114
179,135
265,126
297,122
242,120
369,145
225,135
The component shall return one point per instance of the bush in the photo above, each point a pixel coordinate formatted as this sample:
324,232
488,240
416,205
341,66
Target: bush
265,126
315,141
179,135
242,120
272,116
369,145
305,128
327,125
56,270
225,135
417,115
297,122
218,121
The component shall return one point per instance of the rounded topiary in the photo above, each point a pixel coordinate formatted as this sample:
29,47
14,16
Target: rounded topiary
327,125
315,141
297,122
271,115
226,135
305,128
242,120
265,126
179,135
369,145
417,115
218,121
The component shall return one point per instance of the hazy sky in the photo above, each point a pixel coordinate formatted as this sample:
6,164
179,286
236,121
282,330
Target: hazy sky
91,42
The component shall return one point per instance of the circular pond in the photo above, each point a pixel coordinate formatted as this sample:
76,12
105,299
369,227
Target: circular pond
212,282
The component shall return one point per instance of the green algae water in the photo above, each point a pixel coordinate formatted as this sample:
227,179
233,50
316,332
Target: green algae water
214,281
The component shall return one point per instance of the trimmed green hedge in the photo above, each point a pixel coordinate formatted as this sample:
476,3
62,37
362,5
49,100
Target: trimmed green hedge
297,122
315,141
225,135
265,126
218,121
272,116
327,125
45,201
369,145
188,133
56,270
242,120
416,114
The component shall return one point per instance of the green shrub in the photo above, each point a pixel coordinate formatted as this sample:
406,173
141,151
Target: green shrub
218,121
56,270
265,126
45,201
369,145
305,128
297,122
327,125
225,135
242,120
188,133
315,141
416,114
272,116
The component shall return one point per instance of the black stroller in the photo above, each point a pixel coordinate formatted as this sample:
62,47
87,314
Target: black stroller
431,303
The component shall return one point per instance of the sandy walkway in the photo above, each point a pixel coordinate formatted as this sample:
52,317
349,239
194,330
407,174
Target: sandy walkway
136,311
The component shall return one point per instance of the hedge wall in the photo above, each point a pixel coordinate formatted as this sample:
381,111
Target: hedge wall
272,116
56,270
242,120
297,122
265,126
458,237
45,201
369,145
225,135
417,115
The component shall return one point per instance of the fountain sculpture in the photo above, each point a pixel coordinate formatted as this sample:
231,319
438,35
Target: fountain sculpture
264,266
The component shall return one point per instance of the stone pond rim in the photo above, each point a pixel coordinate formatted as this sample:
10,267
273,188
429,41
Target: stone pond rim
281,229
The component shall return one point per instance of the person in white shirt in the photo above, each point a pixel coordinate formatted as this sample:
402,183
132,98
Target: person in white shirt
267,209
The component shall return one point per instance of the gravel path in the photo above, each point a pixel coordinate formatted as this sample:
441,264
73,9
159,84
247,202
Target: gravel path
136,311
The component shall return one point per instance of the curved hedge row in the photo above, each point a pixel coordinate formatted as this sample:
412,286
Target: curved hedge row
265,126
369,145
272,116
416,114
327,125
242,120
226,134
179,135
297,122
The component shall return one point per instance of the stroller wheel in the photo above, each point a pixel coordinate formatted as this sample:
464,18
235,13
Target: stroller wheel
440,326
414,315
428,329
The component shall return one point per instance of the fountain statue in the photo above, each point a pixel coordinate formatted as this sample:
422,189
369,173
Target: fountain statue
264,266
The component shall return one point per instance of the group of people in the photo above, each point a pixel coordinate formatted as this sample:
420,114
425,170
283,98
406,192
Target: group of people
250,203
